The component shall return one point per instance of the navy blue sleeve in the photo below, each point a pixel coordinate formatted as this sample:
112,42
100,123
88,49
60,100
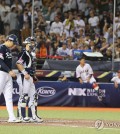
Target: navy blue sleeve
21,58
2,52
3,66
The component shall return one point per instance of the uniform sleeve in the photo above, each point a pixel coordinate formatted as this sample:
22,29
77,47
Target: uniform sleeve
90,71
21,58
2,53
78,74
3,66
113,79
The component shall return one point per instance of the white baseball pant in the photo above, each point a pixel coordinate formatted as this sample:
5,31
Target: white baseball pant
6,87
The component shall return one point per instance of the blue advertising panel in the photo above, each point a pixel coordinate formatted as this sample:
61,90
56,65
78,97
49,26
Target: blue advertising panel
71,94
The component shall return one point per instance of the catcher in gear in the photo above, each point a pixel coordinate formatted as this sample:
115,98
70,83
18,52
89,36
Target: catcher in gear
26,66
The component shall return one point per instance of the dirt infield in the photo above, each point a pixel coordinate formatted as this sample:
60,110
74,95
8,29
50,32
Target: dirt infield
68,123
54,122
99,124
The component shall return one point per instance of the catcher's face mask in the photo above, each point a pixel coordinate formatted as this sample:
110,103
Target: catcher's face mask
32,45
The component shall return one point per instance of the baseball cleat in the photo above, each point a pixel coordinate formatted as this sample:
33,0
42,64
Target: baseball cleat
37,120
24,120
14,121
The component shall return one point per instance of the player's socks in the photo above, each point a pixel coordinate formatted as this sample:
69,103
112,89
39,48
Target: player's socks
23,111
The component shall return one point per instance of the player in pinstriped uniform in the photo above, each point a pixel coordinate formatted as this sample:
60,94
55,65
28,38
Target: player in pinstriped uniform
25,81
116,79
6,74
84,73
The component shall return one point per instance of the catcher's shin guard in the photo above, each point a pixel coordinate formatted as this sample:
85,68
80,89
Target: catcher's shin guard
21,111
33,107
22,106
30,112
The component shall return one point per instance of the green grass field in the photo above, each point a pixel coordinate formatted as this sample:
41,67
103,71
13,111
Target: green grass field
38,129
53,130
74,114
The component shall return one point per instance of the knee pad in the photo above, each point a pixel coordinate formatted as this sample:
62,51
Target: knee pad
23,100
22,105
33,101
32,110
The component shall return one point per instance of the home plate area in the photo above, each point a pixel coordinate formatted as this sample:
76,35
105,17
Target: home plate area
99,124
55,122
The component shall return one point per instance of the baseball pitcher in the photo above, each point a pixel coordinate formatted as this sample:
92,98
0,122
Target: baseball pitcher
6,74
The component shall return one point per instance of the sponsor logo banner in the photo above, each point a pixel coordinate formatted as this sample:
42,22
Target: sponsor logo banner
84,92
46,91
71,94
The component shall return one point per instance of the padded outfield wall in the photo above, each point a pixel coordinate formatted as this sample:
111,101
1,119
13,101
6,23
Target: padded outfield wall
71,94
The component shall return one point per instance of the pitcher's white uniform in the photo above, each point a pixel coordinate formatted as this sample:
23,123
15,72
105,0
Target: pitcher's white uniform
6,85
84,73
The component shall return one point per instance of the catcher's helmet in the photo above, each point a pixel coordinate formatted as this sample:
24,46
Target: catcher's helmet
29,40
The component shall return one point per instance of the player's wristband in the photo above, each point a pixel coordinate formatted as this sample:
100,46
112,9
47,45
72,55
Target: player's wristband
24,72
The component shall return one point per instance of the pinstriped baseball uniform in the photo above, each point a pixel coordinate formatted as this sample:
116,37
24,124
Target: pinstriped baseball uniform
85,72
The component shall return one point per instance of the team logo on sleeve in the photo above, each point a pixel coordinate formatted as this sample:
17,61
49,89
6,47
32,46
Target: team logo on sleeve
20,61
8,55
1,56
